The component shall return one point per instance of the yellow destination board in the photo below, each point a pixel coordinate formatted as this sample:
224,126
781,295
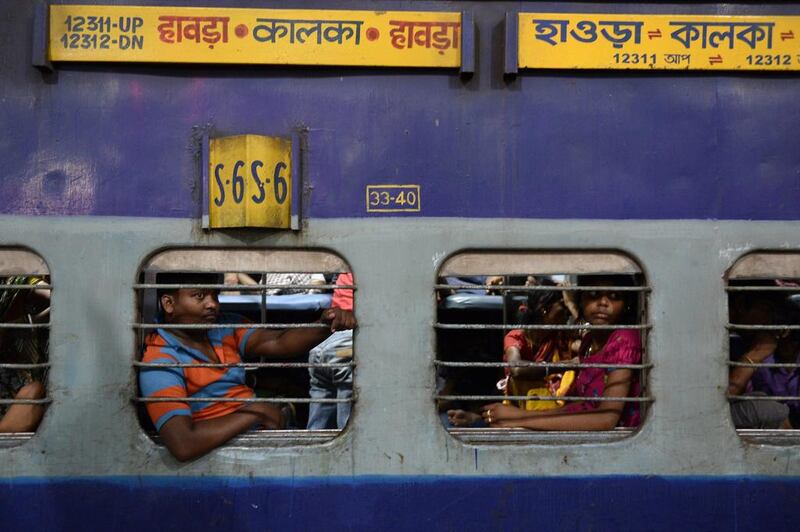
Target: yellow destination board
249,182
254,36
680,42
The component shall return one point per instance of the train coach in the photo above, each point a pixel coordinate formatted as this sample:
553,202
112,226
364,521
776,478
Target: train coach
455,159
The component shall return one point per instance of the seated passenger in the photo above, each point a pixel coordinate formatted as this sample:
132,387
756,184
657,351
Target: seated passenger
333,382
619,346
191,429
23,346
763,347
530,345
782,381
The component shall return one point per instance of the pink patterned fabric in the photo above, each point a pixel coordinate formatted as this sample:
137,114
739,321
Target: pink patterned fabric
623,347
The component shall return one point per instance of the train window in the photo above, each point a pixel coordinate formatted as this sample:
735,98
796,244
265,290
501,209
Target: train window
548,341
246,331
764,346
24,337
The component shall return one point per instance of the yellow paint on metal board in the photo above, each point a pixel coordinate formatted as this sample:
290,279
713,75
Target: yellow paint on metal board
254,36
250,182
658,42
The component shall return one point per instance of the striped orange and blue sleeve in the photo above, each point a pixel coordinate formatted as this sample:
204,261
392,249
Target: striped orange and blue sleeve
241,334
163,383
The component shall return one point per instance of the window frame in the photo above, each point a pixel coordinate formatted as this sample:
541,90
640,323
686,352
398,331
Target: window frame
21,261
759,265
262,260
537,262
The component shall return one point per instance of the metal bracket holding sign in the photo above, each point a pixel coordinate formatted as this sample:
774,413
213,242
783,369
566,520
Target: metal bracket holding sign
251,181
41,31
652,42
511,51
468,49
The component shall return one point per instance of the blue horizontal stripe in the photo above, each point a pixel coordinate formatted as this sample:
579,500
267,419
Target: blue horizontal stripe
403,503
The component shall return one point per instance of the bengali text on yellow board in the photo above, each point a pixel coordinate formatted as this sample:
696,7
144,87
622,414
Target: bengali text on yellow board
666,42
254,36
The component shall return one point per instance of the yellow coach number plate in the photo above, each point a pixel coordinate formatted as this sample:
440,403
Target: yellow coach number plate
250,182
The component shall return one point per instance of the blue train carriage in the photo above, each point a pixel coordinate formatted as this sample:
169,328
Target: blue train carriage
418,146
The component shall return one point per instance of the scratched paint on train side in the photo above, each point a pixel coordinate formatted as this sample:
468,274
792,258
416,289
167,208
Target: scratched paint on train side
393,198
658,42
255,36
250,182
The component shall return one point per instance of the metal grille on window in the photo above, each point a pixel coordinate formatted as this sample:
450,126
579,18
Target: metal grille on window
263,290
490,304
764,346
24,343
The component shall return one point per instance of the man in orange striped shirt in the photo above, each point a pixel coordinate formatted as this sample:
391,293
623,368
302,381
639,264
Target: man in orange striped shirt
190,429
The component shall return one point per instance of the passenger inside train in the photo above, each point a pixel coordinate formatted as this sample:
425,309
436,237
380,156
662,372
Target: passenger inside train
601,345
195,409
23,346
528,345
753,385
330,374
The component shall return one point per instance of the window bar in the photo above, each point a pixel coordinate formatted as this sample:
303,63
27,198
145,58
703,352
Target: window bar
239,400
26,286
537,288
24,325
764,364
250,287
538,398
43,401
762,288
576,327
504,295
777,328
230,325
566,365
263,308
764,397
246,365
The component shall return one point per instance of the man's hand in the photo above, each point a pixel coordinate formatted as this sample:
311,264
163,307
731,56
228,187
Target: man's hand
494,280
339,319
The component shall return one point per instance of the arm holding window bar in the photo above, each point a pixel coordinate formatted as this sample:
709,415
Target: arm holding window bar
293,342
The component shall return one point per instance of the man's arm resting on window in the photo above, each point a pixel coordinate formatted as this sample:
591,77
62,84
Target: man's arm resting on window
187,439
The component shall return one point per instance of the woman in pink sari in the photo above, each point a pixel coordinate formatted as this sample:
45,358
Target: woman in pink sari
599,346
